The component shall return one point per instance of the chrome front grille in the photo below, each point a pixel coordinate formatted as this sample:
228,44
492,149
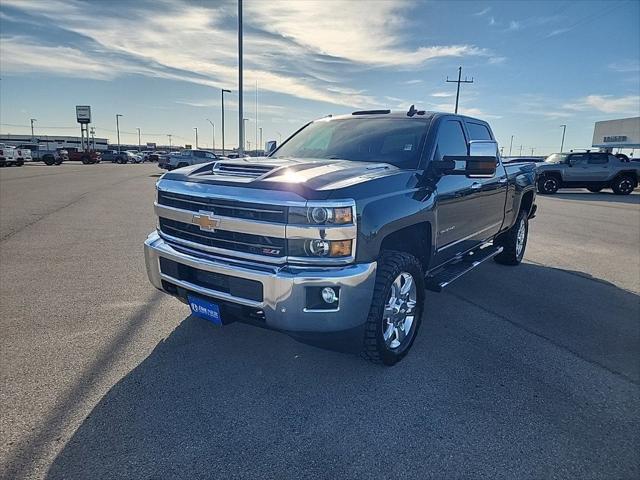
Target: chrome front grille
226,240
226,208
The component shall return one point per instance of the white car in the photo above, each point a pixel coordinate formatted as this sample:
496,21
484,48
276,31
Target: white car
23,155
8,155
133,157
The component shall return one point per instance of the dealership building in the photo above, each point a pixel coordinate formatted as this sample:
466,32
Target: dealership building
619,134
51,142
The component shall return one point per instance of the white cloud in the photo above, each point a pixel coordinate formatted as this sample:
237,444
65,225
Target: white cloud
625,66
607,104
482,12
442,94
558,31
412,82
514,25
291,47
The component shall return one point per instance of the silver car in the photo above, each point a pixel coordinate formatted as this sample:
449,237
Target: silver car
188,157
591,170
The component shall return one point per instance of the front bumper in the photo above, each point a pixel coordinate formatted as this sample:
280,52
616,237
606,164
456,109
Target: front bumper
284,289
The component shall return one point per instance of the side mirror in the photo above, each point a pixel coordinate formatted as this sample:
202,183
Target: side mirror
481,161
270,147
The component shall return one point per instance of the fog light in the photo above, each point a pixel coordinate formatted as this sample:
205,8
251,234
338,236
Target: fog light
329,295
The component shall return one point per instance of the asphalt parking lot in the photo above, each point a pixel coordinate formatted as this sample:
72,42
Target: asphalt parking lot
526,372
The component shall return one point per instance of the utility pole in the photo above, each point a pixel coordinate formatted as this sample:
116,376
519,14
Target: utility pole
459,81
118,129
224,90
196,129
93,137
32,135
169,135
564,130
139,147
240,88
520,150
261,145
511,145
532,149
213,136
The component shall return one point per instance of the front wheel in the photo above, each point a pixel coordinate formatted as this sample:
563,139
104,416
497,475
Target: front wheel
514,241
624,185
396,309
548,185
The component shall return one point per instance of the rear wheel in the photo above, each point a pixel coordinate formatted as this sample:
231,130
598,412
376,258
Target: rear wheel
624,185
594,189
20,163
514,241
86,159
548,185
396,309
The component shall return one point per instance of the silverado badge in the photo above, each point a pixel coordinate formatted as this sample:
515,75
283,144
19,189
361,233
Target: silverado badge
206,221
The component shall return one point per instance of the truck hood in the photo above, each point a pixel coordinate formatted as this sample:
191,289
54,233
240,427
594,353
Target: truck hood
285,173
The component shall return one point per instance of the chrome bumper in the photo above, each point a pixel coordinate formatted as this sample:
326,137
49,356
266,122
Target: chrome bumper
284,294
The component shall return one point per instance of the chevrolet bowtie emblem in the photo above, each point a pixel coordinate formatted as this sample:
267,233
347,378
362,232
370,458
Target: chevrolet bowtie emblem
206,221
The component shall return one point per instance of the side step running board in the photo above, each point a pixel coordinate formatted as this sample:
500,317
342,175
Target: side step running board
441,278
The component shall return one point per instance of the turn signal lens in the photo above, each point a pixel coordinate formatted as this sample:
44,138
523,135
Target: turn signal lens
341,248
342,215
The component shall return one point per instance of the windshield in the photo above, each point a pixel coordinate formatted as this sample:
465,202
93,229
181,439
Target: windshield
397,141
556,158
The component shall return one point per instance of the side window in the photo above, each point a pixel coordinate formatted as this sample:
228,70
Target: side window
478,131
578,159
451,140
198,154
210,155
598,158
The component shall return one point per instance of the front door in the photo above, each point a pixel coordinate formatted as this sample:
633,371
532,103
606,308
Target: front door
454,195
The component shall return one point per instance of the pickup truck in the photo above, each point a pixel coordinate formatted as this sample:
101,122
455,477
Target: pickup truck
7,155
335,236
185,158
591,170
84,156
43,154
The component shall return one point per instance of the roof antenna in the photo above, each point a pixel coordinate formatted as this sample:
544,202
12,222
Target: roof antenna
412,111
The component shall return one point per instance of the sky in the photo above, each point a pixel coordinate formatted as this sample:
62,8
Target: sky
161,64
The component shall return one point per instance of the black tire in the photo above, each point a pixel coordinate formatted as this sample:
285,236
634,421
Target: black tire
595,189
390,265
58,162
548,185
511,253
86,159
20,163
624,185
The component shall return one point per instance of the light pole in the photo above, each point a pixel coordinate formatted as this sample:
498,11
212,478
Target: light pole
139,147
564,130
118,129
511,145
169,135
93,137
261,145
244,127
240,88
520,150
224,90
32,135
196,129
532,149
213,135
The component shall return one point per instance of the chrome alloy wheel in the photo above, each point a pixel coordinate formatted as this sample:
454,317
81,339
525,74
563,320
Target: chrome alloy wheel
399,312
520,237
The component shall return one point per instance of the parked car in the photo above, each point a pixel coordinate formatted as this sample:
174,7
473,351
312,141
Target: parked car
591,170
186,158
23,155
84,156
334,237
39,153
133,156
7,155
110,156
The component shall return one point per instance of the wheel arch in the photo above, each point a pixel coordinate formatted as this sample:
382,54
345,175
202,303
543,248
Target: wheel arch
413,239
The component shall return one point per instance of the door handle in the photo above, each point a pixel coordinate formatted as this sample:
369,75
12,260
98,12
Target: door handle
476,185
503,180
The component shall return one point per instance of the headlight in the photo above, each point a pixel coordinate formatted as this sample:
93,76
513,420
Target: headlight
320,248
318,215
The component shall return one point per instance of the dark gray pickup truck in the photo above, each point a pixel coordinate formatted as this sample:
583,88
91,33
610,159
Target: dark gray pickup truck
335,236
